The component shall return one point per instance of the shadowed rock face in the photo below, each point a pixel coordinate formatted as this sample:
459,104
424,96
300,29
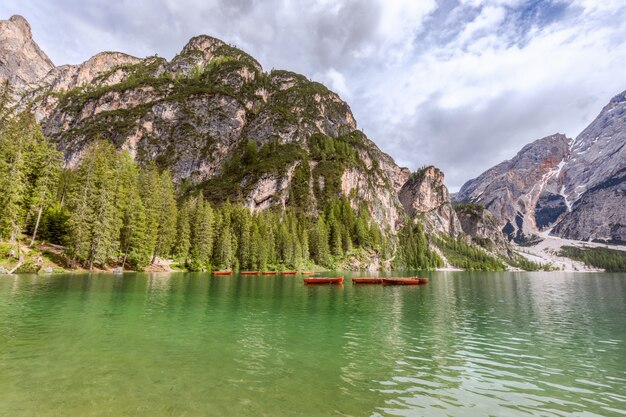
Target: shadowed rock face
483,228
599,214
575,186
22,62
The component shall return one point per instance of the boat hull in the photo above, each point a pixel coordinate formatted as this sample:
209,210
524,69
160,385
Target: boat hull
289,272
270,273
323,280
367,280
223,273
250,273
401,281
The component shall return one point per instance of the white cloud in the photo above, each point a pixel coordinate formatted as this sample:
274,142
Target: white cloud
337,82
461,84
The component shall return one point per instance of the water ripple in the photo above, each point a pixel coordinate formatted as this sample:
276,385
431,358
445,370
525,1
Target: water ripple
467,344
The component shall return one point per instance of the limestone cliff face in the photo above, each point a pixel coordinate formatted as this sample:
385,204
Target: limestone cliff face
598,215
22,62
570,188
516,190
425,196
594,179
599,152
198,115
483,228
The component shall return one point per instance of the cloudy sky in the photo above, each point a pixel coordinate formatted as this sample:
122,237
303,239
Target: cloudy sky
461,84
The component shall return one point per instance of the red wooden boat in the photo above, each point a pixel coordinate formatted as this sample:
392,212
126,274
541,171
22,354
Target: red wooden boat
307,272
270,272
250,272
289,272
223,273
323,280
423,280
364,280
401,281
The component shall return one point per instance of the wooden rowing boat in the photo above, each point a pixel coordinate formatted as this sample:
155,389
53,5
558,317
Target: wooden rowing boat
367,280
307,272
323,280
401,281
423,280
289,272
223,273
250,273
270,272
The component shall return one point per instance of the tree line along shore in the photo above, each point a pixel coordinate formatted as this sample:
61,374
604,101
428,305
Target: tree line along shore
109,213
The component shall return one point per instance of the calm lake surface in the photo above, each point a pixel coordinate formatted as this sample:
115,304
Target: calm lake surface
466,344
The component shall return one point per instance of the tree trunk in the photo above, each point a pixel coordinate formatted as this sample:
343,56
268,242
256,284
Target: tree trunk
19,263
20,259
92,255
125,256
32,242
156,250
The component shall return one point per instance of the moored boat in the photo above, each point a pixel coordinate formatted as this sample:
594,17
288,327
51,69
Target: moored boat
270,272
289,272
367,280
402,281
323,280
222,272
250,272
423,280
307,272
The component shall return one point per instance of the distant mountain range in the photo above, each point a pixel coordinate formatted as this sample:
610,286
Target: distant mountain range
570,188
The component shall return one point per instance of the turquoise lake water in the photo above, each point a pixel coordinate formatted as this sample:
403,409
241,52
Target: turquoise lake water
466,344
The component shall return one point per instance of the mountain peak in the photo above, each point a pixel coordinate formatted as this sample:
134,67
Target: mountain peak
620,98
22,62
203,49
203,43
21,23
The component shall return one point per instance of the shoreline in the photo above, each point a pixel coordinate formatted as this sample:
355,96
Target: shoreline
545,252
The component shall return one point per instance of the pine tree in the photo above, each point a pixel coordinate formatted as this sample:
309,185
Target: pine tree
256,247
201,233
182,244
95,218
133,240
320,248
150,192
13,176
166,216
45,170
133,235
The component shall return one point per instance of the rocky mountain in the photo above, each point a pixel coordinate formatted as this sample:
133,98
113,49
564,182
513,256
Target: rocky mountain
22,62
424,195
224,126
572,188
483,228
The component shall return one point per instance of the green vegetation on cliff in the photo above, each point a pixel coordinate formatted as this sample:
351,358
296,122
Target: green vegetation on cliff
463,255
414,251
109,211
610,260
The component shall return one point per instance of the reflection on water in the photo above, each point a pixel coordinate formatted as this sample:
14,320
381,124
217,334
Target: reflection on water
467,344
